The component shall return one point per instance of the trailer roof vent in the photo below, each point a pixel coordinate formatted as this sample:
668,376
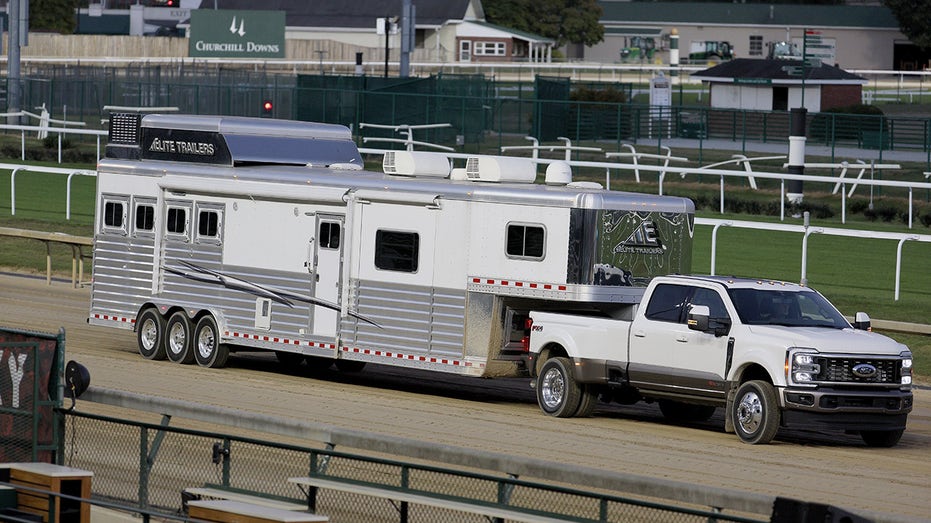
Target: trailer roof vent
416,163
124,128
501,169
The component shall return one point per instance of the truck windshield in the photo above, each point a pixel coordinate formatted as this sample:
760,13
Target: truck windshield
787,308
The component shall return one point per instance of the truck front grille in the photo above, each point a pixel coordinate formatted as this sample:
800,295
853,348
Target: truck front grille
841,370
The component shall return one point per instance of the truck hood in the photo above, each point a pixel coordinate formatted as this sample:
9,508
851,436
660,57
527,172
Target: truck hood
825,340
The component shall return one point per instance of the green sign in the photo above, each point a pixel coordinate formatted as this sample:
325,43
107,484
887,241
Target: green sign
222,33
755,81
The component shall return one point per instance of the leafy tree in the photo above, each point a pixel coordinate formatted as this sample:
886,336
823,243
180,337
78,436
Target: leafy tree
914,18
57,16
565,21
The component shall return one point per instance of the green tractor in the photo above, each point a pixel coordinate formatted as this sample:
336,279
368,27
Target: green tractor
711,51
638,49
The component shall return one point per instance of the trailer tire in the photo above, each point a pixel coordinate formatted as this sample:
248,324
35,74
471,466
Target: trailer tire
150,334
178,339
208,351
881,438
558,393
755,412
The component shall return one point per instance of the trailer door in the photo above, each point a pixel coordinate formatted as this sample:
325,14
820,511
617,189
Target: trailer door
326,273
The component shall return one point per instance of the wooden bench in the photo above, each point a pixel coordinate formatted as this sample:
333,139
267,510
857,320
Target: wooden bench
489,510
229,511
216,492
56,479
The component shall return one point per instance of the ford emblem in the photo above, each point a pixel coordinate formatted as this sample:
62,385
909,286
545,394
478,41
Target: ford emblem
865,370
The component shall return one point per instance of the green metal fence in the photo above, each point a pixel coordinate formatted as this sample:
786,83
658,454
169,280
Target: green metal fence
147,466
478,109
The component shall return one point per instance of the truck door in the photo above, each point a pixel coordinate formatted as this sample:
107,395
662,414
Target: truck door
666,355
326,269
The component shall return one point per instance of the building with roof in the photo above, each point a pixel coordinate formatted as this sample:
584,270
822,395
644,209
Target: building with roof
777,85
855,36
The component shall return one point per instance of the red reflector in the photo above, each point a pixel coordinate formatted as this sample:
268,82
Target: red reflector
525,344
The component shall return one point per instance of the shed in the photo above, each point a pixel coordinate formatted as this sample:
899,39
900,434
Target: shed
778,85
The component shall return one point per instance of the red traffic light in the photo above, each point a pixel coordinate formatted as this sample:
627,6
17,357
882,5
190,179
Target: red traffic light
267,108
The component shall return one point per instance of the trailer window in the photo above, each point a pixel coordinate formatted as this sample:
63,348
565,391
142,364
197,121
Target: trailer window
113,214
208,223
526,241
329,235
145,217
667,303
176,222
397,251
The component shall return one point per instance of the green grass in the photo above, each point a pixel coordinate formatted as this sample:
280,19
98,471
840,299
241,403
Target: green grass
855,274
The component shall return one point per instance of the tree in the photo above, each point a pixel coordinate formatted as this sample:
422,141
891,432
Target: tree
565,21
914,18
55,16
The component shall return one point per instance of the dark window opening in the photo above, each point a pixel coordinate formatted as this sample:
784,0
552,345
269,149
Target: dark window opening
208,223
780,98
525,241
329,235
396,251
667,303
177,221
145,217
113,214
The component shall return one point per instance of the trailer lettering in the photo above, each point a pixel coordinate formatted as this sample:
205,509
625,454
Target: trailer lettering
177,146
17,365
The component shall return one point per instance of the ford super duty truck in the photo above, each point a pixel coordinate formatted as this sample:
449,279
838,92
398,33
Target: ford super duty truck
772,354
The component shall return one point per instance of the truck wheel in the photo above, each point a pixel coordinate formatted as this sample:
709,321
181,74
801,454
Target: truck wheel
150,334
558,394
881,438
208,351
685,412
588,402
756,412
179,339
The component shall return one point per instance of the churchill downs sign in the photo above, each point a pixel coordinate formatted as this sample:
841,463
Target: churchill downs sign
223,33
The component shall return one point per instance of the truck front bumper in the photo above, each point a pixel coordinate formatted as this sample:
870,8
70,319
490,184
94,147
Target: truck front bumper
845,410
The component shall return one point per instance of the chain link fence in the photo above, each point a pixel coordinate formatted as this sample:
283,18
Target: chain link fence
148,466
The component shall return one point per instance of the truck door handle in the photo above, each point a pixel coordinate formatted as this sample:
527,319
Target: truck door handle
682,338
640,334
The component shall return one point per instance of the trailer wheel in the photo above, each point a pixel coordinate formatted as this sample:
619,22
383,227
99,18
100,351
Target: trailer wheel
179,339
756,412
558,394
881,438
150,334
208,351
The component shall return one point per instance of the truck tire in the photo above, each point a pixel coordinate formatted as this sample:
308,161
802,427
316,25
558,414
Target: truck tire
150,334
588,402
178,338
208,351
881,438
756,412
558,394
679,412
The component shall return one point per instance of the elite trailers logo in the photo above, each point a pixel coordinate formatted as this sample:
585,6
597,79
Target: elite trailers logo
643,240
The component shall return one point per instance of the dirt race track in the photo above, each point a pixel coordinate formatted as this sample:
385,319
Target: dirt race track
500,416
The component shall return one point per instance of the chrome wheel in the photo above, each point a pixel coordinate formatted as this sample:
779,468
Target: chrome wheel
750,413
553,388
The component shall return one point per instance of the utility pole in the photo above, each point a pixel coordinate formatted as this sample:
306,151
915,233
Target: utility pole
15,93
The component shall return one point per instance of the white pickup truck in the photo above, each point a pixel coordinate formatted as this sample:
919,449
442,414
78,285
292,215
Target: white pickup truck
773,354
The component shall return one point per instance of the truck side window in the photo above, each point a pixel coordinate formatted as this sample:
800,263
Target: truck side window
712,300
667,303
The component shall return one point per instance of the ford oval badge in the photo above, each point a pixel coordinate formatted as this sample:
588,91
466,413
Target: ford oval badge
865,370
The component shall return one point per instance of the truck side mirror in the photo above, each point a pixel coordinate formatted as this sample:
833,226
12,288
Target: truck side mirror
698,318
862,322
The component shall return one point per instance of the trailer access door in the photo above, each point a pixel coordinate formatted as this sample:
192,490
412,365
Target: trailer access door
326,269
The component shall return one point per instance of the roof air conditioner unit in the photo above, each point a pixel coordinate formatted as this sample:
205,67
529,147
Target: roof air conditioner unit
558,173
416,163
501,169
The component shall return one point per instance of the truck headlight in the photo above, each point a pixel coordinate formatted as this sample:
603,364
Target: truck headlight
803,367
906,369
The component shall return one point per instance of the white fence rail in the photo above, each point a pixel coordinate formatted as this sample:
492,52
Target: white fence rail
16,168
